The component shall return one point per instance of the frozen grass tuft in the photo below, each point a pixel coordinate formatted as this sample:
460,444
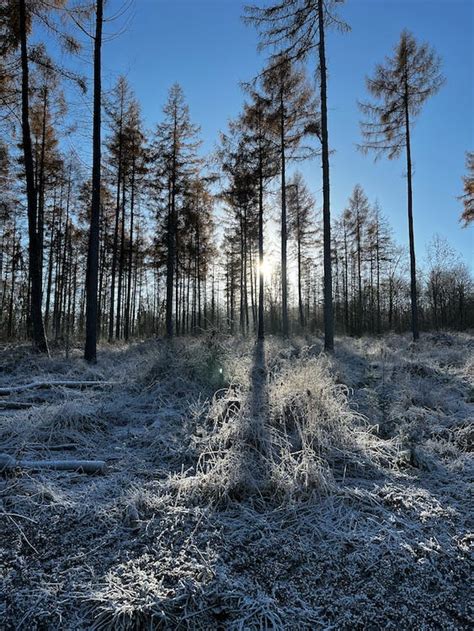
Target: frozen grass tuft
284,436
78,416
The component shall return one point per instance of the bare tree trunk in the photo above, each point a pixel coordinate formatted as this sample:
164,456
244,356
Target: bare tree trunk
242,249
298,238
284,274
170,264
118,318
379,316
35,273
102,301
328,307
12,290
116,229
252,286
346,283
213,298
50,265
359,277
130,253
260,331
90,351
414,304
245,266
41,188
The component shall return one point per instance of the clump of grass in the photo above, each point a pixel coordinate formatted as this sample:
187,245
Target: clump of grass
200,360
294,438
74,416
318,440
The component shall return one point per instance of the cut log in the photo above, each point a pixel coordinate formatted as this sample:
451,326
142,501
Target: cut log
15,405
8,463
52,384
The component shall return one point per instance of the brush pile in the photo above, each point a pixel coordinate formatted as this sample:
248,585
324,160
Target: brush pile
248,486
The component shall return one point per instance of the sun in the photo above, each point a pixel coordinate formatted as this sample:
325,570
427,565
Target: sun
266,267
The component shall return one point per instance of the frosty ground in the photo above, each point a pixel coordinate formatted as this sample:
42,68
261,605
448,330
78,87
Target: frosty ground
248,486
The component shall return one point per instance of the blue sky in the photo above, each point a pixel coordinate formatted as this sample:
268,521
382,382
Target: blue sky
204,45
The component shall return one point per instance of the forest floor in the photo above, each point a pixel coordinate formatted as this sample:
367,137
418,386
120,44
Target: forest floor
248,486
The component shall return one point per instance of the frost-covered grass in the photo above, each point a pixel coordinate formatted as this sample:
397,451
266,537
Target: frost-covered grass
248,486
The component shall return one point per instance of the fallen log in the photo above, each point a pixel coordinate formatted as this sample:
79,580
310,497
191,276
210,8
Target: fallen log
48,447
8,463
15,405
52,384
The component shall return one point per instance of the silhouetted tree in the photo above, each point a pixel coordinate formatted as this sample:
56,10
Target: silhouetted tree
92,275
400,88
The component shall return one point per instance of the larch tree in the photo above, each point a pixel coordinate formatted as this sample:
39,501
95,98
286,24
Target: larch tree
296,28
174,160
400,88
92,273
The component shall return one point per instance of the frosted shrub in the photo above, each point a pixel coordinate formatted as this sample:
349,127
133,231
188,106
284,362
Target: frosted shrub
287,435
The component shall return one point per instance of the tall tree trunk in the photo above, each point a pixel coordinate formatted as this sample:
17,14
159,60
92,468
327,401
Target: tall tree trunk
346,283
64,268
232,289
253,289
242,269
74,298
198,261
284,274
41,188
245,266
118,318
90,351
50,264
260,330
414,304
170,264
130,254
177,278
359,277
213,297
12,291
379,317
298,238
116,228
328,307
101,306
35,273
